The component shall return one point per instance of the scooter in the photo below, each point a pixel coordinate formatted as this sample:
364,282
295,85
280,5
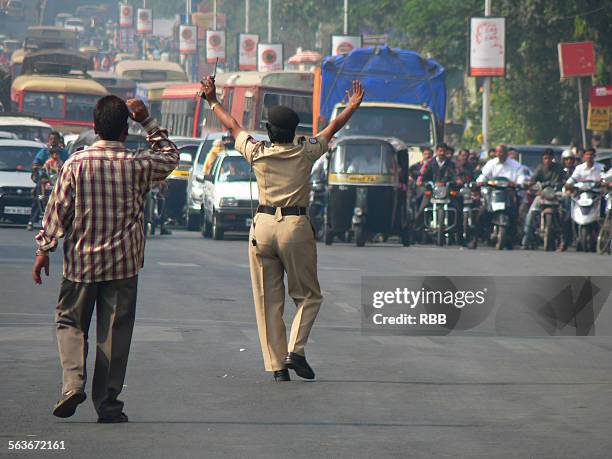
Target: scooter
586,204
604,239
471,203
500,199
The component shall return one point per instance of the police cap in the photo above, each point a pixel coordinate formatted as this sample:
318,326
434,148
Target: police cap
283,117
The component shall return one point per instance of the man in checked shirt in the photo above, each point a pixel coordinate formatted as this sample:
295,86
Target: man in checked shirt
97,206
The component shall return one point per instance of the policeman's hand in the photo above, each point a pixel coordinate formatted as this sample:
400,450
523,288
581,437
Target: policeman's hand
138,110
208,89
40,262
356,97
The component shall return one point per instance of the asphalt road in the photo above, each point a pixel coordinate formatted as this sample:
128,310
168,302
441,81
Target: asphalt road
196,387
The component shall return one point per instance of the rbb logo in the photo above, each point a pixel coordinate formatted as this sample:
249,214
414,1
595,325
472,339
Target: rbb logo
432,319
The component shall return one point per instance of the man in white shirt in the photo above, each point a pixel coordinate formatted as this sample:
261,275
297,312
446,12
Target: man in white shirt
503,166
587,170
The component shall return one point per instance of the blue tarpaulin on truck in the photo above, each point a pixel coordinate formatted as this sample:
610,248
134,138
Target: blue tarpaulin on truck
387,75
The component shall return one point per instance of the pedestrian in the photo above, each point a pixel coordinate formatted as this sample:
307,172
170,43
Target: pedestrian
97,204
282,239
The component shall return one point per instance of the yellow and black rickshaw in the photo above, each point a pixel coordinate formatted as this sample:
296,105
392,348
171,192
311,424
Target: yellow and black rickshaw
365,193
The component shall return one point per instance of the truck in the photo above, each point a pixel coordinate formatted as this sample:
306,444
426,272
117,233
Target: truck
405,95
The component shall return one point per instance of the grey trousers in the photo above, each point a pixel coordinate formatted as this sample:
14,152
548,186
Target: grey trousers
115,303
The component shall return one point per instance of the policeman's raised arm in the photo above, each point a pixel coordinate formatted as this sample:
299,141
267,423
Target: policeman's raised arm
355,99
209,91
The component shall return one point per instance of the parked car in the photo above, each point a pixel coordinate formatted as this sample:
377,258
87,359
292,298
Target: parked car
16,185
230,196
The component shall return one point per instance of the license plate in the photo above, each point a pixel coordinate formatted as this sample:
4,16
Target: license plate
17,210
248,222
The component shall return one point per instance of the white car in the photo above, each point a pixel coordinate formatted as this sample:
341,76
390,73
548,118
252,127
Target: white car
228,204
16,186
25,127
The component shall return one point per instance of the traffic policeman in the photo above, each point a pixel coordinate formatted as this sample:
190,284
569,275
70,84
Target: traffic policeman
281,239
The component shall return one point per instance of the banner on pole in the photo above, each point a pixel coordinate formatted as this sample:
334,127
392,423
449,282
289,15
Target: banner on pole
247,51
344,44
576,59
269,57
188,43
599,118
125,15
601,96
144,23
487,46
215,45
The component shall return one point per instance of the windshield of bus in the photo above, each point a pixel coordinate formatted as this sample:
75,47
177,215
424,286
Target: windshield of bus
17,158
301,104
235,169
412,126
79,107
362,158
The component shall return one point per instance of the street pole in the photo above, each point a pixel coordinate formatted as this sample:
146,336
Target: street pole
345,17
247,11
187,56
486,91
144,36
269,21
581,103
214,14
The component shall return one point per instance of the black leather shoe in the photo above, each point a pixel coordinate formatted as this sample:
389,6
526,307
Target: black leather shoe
281,375
299,364
67,405
113,419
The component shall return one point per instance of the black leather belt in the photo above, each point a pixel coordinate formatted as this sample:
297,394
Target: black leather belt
270,210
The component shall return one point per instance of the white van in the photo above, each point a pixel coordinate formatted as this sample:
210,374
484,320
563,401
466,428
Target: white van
25,127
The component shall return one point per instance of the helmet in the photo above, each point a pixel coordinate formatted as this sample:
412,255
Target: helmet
567,154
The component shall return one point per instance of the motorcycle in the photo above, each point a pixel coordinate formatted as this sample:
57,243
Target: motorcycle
471,203
604,239
500,199
152,214
547,219
586,204
440,216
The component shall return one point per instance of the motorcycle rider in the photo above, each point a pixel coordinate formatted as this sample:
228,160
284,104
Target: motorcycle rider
499,166
569,164
438,169
587,170
549,175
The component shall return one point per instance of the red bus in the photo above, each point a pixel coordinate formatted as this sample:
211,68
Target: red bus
246,95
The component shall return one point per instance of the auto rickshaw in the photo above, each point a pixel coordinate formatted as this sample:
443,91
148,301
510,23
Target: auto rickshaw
366,191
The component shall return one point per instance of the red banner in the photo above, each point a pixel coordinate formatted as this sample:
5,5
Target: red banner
601,96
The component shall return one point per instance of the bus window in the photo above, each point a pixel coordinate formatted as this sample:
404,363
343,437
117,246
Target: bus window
79,107
46,105
302,105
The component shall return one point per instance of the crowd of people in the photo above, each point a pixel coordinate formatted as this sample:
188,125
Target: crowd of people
463,168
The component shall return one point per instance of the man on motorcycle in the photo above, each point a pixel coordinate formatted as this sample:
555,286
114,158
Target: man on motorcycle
438,169
499,166
587,170
547,174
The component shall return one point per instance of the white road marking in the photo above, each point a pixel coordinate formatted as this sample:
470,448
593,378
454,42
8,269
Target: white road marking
347,307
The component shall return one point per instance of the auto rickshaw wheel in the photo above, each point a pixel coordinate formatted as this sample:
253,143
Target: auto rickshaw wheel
360,236
217,233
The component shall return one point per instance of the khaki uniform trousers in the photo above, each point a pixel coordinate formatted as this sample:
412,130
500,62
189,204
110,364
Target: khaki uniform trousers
115,312
283,244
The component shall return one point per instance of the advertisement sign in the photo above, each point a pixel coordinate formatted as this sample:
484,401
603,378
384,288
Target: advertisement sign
215,46
576,59
599,118
344,44
188,43
144,23
487,46
125,15
269,57
247,51
601,96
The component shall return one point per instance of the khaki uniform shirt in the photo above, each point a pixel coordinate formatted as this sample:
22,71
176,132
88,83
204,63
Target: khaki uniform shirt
282,171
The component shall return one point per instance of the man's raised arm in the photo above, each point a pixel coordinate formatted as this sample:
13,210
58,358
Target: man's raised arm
338,123
210,94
